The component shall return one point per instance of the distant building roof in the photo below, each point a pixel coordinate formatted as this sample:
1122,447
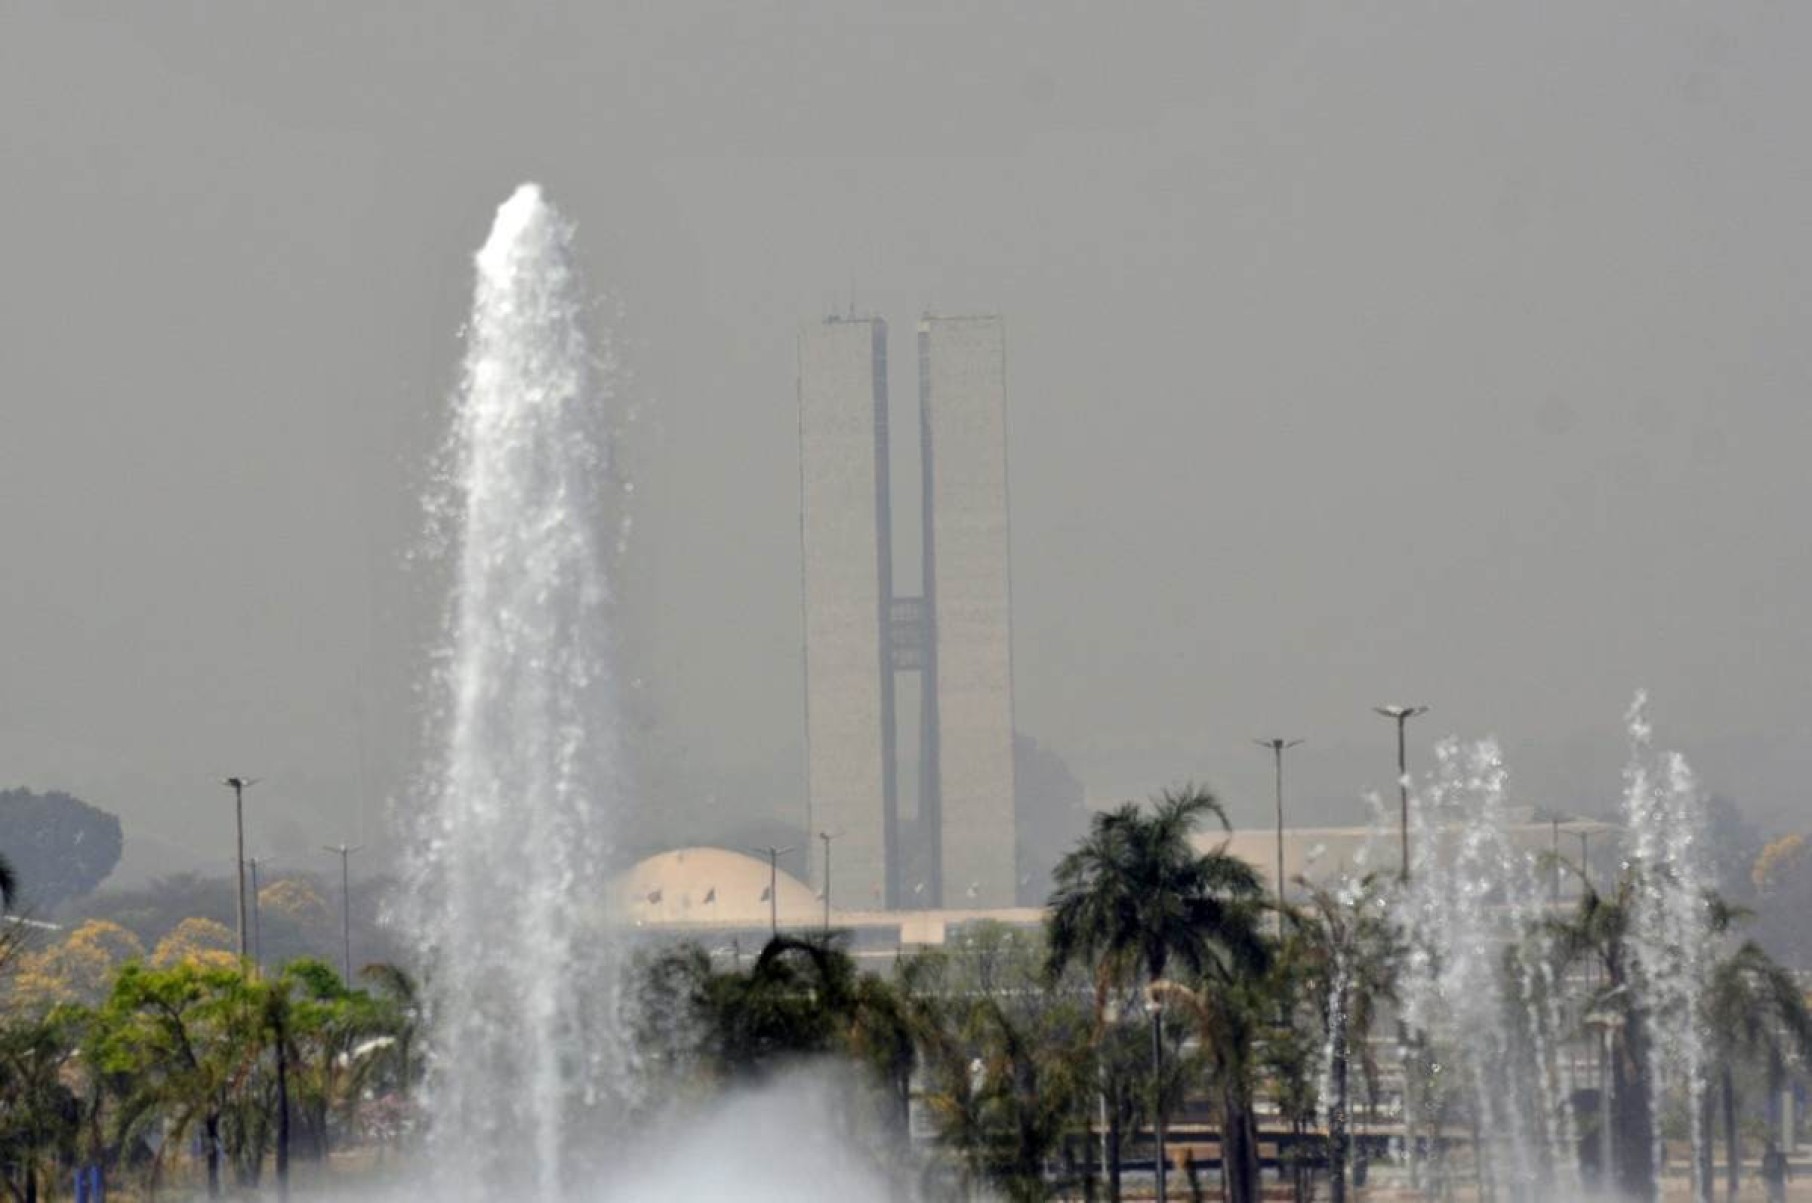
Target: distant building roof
1323,854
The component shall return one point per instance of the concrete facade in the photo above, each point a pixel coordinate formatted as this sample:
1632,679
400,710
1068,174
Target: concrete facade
848,583
861,632
963,416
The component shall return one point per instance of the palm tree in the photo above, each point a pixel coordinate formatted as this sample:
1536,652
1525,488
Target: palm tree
276,1017
1002,1095
788,1005
1756,1013
390,1070
326,1022
1135,896
1599,931
1007,1066
1227,1013
1349,950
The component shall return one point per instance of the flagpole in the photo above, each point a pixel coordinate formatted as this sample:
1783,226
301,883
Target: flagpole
774,855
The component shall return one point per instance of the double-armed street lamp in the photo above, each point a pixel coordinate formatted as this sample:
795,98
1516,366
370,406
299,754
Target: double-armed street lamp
1401,715
1278,747
1411,1102
239,785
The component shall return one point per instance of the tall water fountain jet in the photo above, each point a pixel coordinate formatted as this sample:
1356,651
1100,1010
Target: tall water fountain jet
1671,929
506,885
1478,988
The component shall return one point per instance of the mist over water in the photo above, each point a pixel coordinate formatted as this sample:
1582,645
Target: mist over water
513,837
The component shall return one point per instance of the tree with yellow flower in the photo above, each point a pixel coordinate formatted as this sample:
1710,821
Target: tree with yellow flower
196,941
78,969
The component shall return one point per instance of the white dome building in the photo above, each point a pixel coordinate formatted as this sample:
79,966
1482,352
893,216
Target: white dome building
711,887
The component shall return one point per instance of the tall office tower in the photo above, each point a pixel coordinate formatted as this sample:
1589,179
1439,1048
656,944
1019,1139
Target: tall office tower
861,635
845,527
969,677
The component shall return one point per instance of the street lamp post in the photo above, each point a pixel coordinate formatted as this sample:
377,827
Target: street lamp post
1277,747
1154,1006
1412,1102
257,926
1554,855
343,851
239,785
774,855
1608,1024
826,837
1402,715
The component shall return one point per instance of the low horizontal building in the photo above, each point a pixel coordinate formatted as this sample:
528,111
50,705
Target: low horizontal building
731,901
716,895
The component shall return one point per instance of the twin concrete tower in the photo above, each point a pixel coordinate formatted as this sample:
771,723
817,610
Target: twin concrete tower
873,653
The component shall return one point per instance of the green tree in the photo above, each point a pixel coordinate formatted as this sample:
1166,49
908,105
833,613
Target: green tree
1347,949
65,846
1228,1012
1598,931
1002,1096
1008,1066
1756,1014
40,1115
174,1040
1135,896
788,1006
803,998
390,1070
328,1023
278,1022
670,1010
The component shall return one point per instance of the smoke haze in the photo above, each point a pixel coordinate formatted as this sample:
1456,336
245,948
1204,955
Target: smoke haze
1448,354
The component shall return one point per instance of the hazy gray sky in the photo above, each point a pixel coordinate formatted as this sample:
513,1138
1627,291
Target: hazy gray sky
1450,353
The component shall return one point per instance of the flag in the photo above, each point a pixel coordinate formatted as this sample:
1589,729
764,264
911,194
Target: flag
711,894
